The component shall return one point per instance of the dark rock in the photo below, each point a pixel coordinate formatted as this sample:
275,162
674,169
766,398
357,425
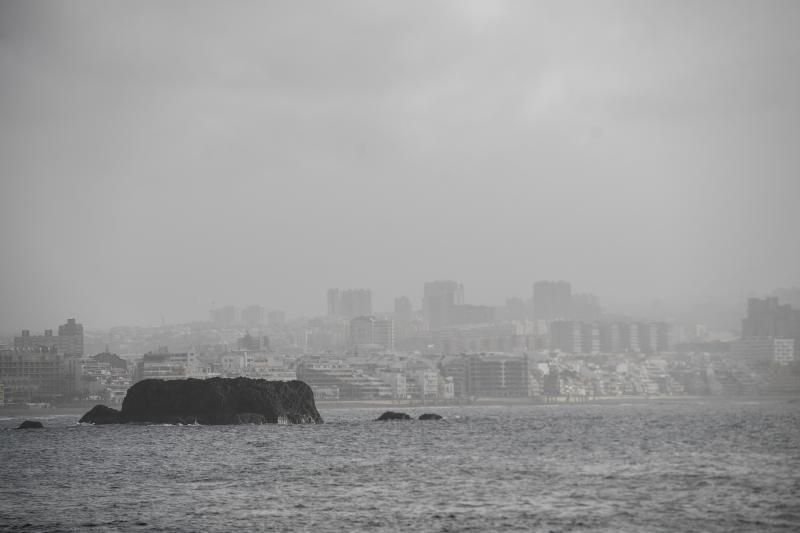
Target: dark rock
30,424
391,415
430,416
212,401
100,414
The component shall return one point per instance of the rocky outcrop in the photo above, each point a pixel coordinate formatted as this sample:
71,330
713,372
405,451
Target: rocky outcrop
430,416
212,401
30,424
391,415
100,414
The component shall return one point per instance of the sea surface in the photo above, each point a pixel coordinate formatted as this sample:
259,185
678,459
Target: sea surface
648,466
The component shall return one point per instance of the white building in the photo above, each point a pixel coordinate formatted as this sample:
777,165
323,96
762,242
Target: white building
427,383
447,389
234,363
397,382
171,366
763,350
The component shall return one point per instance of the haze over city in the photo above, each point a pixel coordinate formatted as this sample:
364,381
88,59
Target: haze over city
158,160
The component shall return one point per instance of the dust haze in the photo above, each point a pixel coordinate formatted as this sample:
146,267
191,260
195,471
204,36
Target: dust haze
159,159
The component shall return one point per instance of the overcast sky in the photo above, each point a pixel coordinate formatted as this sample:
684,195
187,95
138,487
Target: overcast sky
158,158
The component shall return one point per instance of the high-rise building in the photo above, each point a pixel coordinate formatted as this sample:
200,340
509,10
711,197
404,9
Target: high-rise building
515,309
566,336
224,316
349,303
615,337
356,302
789,296
383,333
439,299
369,330
403,310
768,318
334,302
68,342
253,315
586,307
552,300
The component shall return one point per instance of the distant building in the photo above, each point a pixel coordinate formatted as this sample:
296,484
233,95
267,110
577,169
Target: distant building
68,342
349,303
768,318
253,316
31,375
369,330
585,307
427,383
439,299
790,296
276,318
334,303
224,316
397,383
234,363
253,342
566,336
603,337
552,300
170,366
331,379
497,376
403,310
471,314
763,350
515,309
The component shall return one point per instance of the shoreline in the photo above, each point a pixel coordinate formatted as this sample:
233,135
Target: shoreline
33,412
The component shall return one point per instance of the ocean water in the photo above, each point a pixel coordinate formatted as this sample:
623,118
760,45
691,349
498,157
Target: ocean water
654,466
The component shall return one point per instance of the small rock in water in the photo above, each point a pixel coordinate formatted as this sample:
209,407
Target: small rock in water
430,416
30,424
391,415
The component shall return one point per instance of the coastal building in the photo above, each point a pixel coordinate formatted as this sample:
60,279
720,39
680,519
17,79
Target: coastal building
763,350
497,376
234,363
427,383
164,365
768,318
397,383
32,374
334,379
70,337
87,375
68,342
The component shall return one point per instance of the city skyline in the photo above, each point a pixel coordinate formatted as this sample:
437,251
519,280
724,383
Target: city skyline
494,144
533,265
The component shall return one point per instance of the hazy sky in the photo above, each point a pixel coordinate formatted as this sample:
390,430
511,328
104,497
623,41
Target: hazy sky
157,158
